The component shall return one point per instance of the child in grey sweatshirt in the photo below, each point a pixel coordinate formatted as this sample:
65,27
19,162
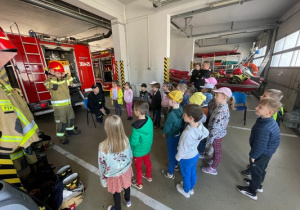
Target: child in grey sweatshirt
187,153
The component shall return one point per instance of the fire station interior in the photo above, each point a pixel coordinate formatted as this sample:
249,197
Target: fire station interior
140,41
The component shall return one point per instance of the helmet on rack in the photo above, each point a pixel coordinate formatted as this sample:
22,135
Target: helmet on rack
56,66
237,71
222,72
7,49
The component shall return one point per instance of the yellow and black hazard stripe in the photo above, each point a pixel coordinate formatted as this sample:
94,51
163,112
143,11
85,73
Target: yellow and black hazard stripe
166,69
8,173
117,71
122,74
191,65
3,75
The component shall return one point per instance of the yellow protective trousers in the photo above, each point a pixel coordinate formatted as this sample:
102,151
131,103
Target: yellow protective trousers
64,118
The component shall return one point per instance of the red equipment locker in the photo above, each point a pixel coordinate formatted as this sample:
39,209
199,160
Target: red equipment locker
104,66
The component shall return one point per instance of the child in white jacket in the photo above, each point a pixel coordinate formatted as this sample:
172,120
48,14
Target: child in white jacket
187,149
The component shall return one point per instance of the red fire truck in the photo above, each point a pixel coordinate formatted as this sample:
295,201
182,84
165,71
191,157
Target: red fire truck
26,70
104,68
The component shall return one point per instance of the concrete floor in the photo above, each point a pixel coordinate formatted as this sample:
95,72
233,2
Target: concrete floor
281,186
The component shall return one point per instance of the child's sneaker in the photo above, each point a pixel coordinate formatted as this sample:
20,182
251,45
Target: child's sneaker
138,186
245,191
176,167
260,189
246,173
111,207
191,192
209,170
128,203
180,190
149,179
167,175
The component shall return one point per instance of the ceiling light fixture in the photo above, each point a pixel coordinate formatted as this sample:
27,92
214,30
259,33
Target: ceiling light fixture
225,2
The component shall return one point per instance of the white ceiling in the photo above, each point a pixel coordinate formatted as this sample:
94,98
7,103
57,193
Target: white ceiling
256,13
127,1
29,17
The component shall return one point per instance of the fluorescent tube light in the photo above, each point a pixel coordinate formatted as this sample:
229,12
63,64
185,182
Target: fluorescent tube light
225,2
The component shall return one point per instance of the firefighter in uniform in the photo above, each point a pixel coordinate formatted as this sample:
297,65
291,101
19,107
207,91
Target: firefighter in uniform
17,126
57,84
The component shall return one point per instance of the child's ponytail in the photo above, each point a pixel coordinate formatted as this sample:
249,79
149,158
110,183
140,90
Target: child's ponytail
231,103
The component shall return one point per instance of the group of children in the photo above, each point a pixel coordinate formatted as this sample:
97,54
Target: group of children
187,137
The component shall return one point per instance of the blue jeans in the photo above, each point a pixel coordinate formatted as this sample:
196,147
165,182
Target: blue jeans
258,172
172,144
157,117
188,168
201,146
118,108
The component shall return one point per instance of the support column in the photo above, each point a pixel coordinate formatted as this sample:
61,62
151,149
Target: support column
117,72
191,65
166,69
120,47
122,74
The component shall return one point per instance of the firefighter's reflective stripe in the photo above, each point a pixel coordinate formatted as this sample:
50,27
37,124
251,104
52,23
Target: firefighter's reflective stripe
60,134
6,162
61,102
12,181
30,128
8,87
56,82
70,128
11,138
8,171
17,155
6,106
46,84
5,102
69,81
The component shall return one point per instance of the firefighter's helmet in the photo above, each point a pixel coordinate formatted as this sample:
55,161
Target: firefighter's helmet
7,49
222,72
56,66
237,72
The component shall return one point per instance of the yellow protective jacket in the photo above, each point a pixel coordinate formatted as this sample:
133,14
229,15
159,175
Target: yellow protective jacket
120,95
17,125
61,96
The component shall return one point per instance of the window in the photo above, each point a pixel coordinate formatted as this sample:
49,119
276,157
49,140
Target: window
258,58
262,52
286,51
279,45
296,59
275,60
291,41
285,59
258,61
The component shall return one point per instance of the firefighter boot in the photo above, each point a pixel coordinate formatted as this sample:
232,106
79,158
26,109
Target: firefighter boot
64,140
73,132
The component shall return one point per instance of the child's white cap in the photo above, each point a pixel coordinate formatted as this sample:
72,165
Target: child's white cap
153,82
208,85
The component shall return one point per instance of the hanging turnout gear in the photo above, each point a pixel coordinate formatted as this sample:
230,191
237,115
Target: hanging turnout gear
61,102
17,125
